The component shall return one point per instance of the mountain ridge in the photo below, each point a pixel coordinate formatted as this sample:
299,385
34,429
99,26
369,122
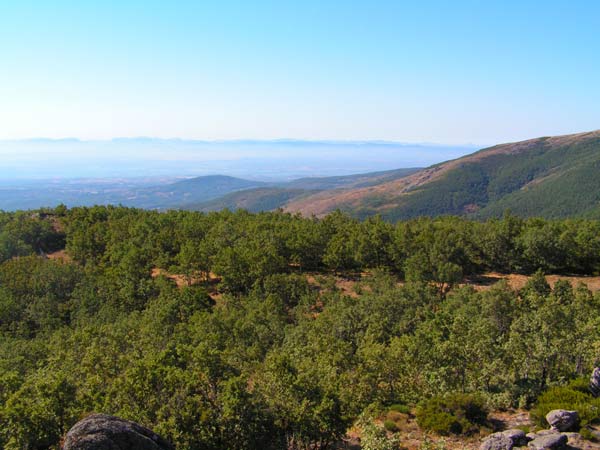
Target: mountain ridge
486,179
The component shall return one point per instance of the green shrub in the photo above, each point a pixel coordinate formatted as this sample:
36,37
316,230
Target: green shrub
581,385
390,425
574,396
429,444
441,423
375,438
587,434
452,414
400,408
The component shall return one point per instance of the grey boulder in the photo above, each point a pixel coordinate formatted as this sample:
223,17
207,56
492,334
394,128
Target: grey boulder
561,419
104,432
497,441
554,441
518,437
504,440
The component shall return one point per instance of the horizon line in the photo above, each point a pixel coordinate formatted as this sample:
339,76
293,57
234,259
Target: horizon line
245,141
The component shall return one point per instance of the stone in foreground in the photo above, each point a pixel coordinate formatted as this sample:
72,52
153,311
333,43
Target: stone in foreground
104,432
497,441
561,419
553,441
504,440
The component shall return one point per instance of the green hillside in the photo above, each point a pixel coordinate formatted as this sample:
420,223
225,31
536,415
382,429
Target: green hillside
547,179
347,181
550,177
193,190
268,198
253,200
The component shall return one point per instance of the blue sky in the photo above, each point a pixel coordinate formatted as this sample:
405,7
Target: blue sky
420,71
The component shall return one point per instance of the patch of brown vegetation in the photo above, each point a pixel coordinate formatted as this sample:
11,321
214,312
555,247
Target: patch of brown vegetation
592,283
182,280
60,255
324,202
347,286
516,281
510,419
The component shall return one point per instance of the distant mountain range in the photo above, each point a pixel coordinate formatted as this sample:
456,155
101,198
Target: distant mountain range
267,160
549,177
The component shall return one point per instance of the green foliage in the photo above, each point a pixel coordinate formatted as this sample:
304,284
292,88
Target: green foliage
282,357
452,414
404,409
39,413
587,434
428,444
375,438
253,200
390,425
555,180
570,397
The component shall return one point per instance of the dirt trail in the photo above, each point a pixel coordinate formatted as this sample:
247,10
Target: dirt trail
60,255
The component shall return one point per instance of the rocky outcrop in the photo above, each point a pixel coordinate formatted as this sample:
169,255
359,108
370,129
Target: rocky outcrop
104,432
497,441
561,419
504,440
551,441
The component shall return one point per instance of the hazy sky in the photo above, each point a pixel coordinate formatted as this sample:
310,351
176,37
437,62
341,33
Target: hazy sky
434,71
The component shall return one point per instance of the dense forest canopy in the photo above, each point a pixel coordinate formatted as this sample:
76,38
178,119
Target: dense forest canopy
256,347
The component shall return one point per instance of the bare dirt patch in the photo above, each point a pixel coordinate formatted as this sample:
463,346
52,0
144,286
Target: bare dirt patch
516,281
60,255
182,281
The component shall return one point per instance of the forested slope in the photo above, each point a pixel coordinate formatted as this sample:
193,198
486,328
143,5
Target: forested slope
549,177
259,349
277,195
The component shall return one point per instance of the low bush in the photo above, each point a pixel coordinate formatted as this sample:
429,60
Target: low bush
575,396
452,414
404,409
390,425
376,438
587,434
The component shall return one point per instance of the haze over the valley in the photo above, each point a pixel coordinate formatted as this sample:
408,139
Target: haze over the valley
265,160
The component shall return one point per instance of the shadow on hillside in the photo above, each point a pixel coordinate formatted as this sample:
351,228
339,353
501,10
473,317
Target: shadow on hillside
482,280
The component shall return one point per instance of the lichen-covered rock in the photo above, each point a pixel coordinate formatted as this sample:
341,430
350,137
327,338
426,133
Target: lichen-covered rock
518,437
553,441
504,440
497,441
561,419
595,382
104,432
